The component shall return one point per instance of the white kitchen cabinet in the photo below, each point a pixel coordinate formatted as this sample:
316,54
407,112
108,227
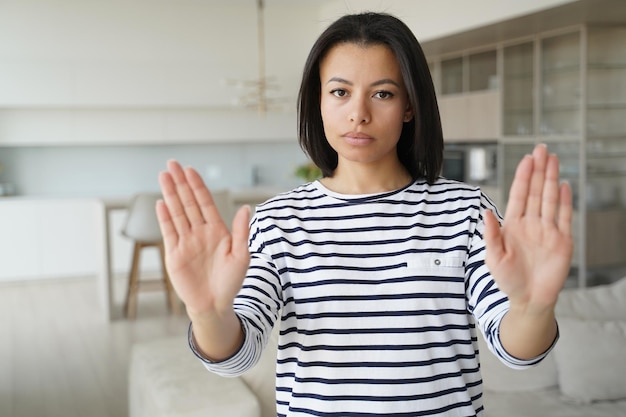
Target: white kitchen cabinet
20,251
50,238
45,239
470,117
454,117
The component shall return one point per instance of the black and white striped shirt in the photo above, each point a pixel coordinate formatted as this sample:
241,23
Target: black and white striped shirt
377,298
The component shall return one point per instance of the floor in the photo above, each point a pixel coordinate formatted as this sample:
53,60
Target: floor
57,356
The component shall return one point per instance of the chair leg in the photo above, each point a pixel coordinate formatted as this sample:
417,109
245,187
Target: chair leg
130,306
173,303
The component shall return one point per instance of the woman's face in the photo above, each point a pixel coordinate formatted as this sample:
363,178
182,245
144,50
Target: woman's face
363,103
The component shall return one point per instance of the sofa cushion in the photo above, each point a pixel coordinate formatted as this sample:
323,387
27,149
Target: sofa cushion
546,403
498,377
166,379
261,379
604,302
590,359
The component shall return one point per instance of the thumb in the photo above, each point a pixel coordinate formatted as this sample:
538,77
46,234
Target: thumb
240,231
493,237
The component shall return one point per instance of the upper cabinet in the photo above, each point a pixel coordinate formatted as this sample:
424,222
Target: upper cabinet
561,89
568,90
564,86
483,73
452,76
468,96
518,89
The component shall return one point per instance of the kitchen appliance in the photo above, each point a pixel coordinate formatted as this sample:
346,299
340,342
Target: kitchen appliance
474,163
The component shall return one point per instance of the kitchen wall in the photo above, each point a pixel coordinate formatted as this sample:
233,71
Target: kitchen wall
101,171
95,95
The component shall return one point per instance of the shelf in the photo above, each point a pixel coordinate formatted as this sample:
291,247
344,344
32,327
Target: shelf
560,71
510,111
606,106
518,76
602,66
566,108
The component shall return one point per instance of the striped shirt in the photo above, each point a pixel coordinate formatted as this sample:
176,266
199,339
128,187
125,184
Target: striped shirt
378,297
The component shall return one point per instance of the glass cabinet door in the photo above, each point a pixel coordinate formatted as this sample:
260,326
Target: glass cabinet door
606,82
561,85
452,76
518,91
606,117
606,144
483,71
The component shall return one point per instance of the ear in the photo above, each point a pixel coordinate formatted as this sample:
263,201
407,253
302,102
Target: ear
408,115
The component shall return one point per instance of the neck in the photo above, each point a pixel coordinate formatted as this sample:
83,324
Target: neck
360,180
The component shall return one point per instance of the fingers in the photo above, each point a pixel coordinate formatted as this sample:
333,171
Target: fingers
550,194
203,200
170,236
493,237
518,194
241,231
564,220
175,208
534,201
186,202
535,189
189,202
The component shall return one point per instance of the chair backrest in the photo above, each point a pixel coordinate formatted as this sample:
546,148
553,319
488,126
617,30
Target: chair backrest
223,202
141,223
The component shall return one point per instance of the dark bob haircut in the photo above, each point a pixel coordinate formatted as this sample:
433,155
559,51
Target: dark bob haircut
420,148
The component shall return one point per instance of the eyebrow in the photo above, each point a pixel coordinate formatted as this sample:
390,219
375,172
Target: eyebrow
375,83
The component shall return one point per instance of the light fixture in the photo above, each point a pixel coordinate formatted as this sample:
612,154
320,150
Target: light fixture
256,91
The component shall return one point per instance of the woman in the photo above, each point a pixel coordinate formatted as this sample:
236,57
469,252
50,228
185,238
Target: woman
381,273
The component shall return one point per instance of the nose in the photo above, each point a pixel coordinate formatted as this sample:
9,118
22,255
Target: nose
360,112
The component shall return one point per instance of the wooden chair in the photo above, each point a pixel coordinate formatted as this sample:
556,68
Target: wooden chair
143,228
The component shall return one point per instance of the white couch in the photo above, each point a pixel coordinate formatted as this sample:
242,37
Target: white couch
584,376
167,380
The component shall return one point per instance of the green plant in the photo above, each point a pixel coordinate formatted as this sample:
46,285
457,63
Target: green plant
308,171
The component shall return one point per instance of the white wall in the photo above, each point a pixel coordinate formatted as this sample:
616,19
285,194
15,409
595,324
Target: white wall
153,71
431,19
98,53
144,71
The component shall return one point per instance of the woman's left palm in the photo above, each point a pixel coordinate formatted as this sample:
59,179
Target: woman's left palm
529,256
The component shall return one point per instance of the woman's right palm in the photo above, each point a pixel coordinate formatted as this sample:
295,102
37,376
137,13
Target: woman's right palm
206,263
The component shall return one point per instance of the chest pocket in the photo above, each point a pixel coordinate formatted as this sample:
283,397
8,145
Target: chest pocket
435,261
442,276
437,265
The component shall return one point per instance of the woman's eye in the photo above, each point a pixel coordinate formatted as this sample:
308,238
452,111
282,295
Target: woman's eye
338,92
383,94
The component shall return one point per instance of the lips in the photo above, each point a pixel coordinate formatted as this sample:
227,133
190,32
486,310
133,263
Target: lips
357,138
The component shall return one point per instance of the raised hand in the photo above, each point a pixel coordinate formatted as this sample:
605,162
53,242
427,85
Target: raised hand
206,263
529,256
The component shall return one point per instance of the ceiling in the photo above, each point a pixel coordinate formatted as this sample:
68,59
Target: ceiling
574,13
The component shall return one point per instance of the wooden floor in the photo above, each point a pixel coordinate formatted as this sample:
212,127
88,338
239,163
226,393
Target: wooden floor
57,356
